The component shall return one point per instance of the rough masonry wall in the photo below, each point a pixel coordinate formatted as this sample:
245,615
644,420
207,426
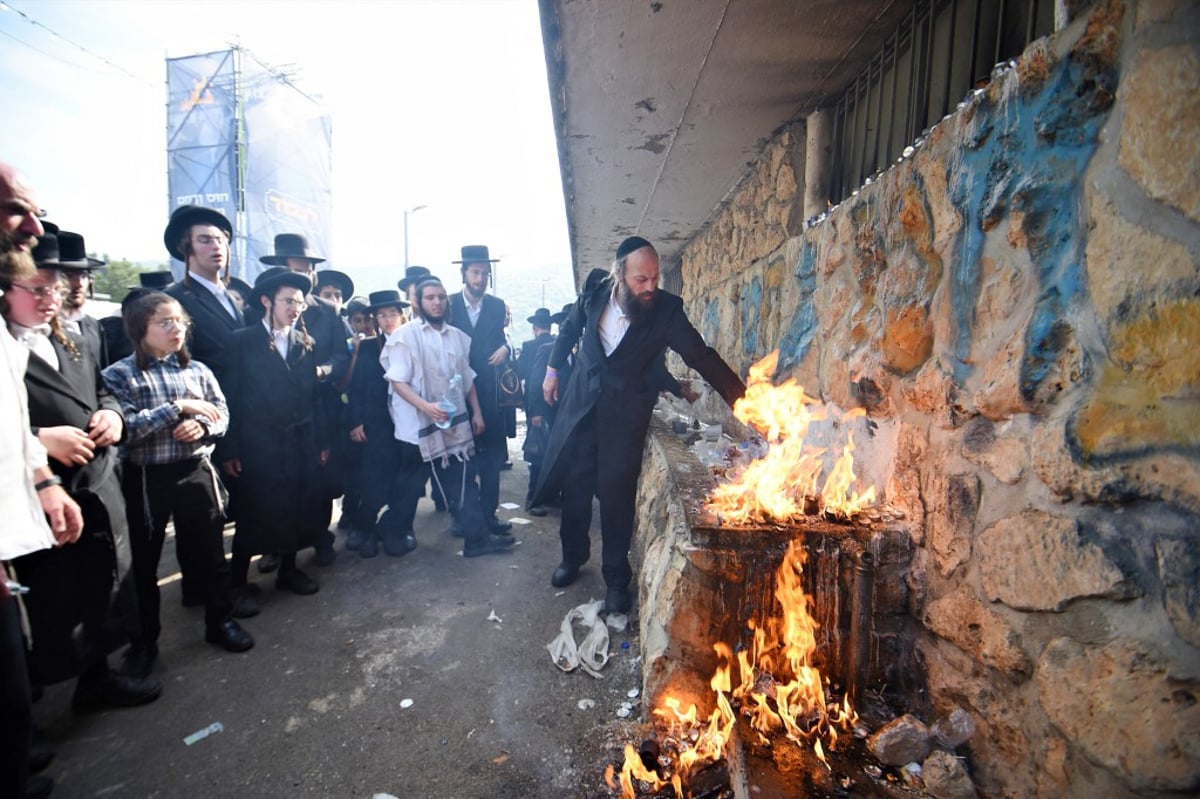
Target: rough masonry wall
1020,298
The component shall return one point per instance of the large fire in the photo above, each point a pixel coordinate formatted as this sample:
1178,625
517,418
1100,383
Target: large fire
785,483
772,682
777,690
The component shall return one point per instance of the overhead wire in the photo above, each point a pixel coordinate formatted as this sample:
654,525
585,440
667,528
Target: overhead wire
8,6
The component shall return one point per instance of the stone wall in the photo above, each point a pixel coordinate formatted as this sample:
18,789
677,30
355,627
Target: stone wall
1019,301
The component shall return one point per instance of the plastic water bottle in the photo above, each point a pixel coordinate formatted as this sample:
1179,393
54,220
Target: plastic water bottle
449,401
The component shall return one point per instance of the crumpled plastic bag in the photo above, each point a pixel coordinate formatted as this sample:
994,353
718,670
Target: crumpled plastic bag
592,654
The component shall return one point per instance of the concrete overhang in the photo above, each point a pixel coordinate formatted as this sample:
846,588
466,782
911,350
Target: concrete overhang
661,107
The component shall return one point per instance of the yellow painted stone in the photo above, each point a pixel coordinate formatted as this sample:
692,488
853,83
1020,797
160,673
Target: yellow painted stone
1148,395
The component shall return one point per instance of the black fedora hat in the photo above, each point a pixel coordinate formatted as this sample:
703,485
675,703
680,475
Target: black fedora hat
156,280
476,254
332,277
388,298
241,287
562,315
184,217
72,253
271,280
290,245
46,252
541,318
412,276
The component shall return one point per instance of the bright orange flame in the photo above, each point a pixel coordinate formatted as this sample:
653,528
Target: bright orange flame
780,485
778,689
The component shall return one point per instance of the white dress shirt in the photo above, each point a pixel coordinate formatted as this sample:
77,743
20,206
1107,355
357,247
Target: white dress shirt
282,339
37,339
613,324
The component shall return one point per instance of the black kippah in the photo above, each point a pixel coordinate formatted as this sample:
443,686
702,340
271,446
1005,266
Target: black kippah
629,245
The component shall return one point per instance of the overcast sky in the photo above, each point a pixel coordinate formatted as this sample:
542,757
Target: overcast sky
442,104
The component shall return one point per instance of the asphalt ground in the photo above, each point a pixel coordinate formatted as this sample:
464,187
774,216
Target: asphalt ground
391,680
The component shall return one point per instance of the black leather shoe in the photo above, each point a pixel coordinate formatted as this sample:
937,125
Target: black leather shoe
38,787
398,547
490,545
535,510
564,575
368,547
506,466
617,600
245,603
268,563
297,582
138,661
497,527
229,636
114,690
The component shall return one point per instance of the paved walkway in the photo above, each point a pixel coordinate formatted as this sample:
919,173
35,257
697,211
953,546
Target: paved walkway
390,680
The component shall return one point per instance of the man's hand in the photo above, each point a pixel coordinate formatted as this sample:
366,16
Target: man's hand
499,356
550,389
195,407
477,425
324,371
688,389
358,434
535,421
105,427
189,430
324,457
233,467
62,512
68,445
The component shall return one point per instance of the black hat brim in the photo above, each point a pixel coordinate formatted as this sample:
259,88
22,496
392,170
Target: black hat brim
272,284
400,304
282,260
184,218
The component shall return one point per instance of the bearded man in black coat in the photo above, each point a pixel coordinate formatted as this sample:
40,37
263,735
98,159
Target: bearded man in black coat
622,323
482,316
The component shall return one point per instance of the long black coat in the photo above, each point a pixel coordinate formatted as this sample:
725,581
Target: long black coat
487,335
70,396
623,384
276,431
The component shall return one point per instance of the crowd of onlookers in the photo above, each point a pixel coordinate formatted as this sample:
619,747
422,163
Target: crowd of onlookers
210,400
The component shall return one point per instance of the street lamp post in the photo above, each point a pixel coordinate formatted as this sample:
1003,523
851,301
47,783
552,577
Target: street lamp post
406,213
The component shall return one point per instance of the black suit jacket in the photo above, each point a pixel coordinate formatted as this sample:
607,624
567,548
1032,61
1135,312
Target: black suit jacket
623,387
487,335
70,396
212,325
89,328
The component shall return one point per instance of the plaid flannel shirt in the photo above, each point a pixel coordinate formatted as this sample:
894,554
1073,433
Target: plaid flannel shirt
146,398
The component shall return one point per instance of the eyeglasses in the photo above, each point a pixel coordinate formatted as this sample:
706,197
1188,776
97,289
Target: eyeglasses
301,304
41,292
171,324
